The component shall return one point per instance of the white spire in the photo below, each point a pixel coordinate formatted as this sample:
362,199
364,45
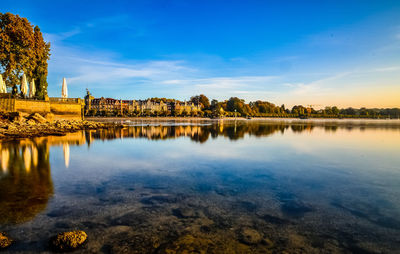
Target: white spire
32,89
64,91
24,85
3,88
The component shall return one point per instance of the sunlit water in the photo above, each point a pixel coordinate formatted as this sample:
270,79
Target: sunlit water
207,187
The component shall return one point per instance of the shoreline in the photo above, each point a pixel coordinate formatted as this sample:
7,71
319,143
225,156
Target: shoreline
350,121
16,125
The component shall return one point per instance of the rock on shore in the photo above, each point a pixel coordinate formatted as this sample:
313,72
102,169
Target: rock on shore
14,125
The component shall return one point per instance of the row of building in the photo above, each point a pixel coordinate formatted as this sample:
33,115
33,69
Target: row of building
138,106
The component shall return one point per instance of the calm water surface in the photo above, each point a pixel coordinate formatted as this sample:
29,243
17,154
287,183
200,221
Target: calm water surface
207,187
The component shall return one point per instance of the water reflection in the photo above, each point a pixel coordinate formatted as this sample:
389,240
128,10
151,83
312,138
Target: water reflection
66,154
233,130
196,133
25,177
25,180
245,186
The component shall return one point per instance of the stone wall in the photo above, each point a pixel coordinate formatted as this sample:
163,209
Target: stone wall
7,105
62,110
32,106
68,109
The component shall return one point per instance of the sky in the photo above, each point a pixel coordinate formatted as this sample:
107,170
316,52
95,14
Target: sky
343,53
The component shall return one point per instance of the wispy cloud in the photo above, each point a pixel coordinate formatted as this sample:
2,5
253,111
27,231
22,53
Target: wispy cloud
224,82
251,87
59,37
387,69
110,74
102,73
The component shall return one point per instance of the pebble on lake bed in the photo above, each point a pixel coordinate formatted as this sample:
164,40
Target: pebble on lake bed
68,240
250,236
5,241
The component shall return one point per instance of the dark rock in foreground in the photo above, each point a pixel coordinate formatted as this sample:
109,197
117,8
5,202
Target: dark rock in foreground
5,241
183,213
68,241
250,236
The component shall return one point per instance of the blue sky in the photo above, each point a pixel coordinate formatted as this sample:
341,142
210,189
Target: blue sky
344,53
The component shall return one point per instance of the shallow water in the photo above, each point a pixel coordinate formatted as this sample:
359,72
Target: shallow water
207,187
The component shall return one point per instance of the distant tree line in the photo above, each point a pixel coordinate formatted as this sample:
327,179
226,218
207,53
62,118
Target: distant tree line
237,107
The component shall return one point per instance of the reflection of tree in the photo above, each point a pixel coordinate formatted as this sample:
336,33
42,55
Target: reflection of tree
25,181
25,177
332,128
202,132
197,133
302,127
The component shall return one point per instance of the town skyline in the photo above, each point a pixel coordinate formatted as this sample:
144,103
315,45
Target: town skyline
324,54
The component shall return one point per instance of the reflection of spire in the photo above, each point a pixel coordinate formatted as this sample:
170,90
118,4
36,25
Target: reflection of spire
5,157
25,189
35,155
66,154
27,159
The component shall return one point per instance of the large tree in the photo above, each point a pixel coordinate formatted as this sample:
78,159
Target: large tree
234,103
42,54
201,99
22,50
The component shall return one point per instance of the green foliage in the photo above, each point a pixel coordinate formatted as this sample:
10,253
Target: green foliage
205,102
41,86
262,109
42,54
22,50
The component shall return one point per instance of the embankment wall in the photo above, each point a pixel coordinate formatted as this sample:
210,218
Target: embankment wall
61,108
32,106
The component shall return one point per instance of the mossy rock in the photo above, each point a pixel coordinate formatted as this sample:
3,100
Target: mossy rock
68,241
189,244
250,236
5,241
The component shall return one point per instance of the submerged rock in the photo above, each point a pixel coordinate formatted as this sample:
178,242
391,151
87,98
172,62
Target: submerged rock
189,244
250,236
5,241
183,213
295,209
68,241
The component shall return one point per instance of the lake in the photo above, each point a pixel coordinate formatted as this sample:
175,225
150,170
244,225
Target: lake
250,186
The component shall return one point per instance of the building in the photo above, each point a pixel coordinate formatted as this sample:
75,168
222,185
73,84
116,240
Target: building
143,107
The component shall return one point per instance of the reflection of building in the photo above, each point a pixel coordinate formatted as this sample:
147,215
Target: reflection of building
25,181
25,176
5,157
197,133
